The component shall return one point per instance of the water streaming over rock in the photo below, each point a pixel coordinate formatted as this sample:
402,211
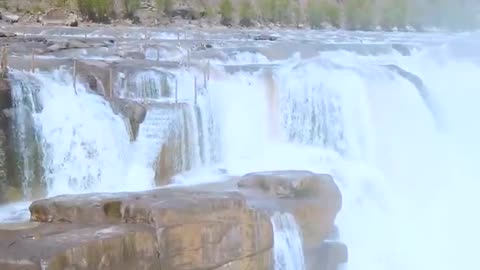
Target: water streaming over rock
288,249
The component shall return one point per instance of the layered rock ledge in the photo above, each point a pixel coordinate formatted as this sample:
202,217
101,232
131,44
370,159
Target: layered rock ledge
181,228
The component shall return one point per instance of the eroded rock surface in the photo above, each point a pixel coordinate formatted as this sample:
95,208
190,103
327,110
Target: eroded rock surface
190,229
182,228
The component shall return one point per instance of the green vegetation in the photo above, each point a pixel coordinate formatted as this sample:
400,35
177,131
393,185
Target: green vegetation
226,11
130,7
61,3
297,13
349,14
165,6
394,14
359,14
323,11
276,11
246,13
96,10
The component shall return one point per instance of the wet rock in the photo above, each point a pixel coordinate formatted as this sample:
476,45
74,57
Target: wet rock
132,55
178,143
10,18
132,111
9,188
55,46
65,45
202,46
327,256
7,34
291,184
166,165
265,37
193,229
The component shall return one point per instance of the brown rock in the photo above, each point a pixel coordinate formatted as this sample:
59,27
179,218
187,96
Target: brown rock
67,246
292,184
10,18
132,111
194,230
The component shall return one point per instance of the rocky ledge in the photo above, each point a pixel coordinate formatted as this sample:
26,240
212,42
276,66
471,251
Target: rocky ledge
181,228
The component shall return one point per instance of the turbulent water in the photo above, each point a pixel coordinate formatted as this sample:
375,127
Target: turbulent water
404,154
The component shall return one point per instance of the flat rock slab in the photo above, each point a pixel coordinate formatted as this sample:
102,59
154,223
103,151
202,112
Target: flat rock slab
190,229
69,246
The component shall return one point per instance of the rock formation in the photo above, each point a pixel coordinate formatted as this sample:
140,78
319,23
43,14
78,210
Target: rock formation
190,228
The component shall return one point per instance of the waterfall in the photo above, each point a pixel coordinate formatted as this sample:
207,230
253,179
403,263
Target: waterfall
85,145
399,133
288,247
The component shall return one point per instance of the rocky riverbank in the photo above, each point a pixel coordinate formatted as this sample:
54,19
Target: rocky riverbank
216,226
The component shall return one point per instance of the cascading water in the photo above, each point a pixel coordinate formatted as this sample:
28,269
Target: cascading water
382,135
288,249
84,143
408,177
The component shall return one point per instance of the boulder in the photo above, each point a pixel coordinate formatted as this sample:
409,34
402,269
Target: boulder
265,37
72,20
193,229
7,35
10,18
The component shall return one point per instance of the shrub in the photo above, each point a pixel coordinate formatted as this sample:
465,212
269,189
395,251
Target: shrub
323,11
165,6
297,13
96,10
130,7
275,10
246,13
226,11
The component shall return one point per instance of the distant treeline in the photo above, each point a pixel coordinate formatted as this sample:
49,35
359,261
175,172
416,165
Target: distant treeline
349,14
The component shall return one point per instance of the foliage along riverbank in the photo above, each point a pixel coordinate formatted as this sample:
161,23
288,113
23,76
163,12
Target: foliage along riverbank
347,14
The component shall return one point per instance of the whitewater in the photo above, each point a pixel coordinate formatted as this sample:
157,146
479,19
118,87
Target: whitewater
405,157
